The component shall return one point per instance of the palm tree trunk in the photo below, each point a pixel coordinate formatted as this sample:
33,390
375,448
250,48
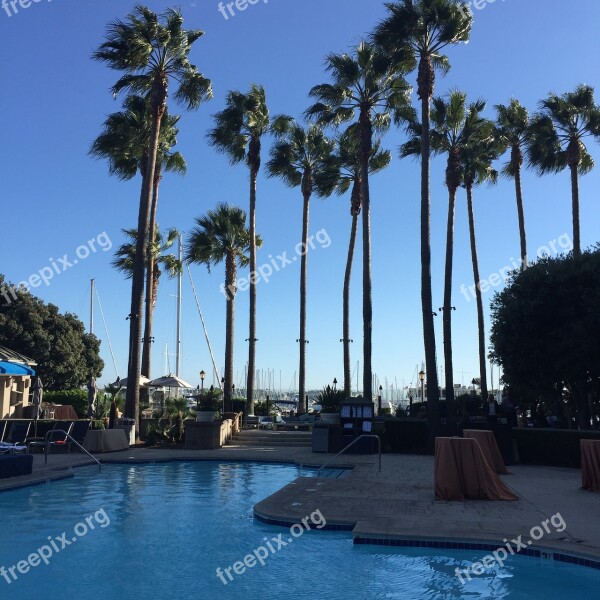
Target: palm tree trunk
478,297
366,145
150,291
132,399
302,407
346,299
252,323
231,287
575,196
521,213
447,316
426,82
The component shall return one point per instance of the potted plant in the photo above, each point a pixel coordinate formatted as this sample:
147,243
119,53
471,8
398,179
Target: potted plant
209,403
330,401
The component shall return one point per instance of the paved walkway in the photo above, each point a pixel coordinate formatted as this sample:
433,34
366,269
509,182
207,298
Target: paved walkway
396,503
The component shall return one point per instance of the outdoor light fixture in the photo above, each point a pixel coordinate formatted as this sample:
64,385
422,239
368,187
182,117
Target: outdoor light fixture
202,376
422,379
334,384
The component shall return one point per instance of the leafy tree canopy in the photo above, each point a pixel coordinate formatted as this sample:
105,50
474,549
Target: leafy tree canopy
65,354
545,329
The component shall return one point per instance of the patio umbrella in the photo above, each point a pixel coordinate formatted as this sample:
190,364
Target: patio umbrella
92,391
169,381
144,381
37,393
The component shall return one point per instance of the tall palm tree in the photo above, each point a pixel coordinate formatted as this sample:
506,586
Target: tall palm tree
297,156
340,173
158,256
151,51
479,150
512,126
222,236
556,141
423,28
124,143
369,89
452,121
238,131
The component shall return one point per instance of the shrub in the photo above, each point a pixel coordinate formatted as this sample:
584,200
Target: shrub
551,447
78,399
330,400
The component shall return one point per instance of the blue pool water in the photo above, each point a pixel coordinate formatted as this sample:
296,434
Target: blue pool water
172,525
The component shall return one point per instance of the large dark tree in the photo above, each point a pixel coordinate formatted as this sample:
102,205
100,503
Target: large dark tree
424,28
545,330
65,354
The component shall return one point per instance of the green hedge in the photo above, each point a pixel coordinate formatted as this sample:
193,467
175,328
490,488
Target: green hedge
78,399
551,447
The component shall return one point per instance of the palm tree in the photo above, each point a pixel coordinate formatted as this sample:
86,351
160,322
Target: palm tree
342,171
238,131
124,143
151,51
222,236
366,83
452,121
512,125
157,257
297,156
477,153
556,141
423,28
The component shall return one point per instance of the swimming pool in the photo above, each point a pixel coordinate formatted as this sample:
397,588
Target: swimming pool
162,531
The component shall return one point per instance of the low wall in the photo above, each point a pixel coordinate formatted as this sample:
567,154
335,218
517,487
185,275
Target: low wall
208,436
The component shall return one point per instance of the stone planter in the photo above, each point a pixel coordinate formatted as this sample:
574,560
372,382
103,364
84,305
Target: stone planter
205,416
330,418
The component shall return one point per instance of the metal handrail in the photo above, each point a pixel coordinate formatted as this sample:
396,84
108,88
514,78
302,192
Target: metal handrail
47,446
364,435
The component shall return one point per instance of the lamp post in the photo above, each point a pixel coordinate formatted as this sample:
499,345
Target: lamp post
379,402
422,380
202,376
334,384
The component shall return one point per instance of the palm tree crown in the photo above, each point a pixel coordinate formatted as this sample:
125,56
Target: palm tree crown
512,130
150,53
556,141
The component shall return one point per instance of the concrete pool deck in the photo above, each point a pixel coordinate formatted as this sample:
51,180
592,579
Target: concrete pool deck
396,504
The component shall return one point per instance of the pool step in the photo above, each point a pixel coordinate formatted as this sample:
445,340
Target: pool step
255,437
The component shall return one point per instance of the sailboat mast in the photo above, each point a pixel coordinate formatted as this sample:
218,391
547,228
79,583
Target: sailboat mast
179,281
91,305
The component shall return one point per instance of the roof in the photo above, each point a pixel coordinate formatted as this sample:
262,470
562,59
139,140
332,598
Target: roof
12,368
9,356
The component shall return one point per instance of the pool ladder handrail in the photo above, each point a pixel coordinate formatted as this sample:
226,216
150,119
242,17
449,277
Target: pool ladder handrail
360,437
69,437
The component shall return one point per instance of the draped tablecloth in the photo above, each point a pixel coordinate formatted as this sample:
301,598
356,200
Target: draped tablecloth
461,472
590,465
489,447
106,440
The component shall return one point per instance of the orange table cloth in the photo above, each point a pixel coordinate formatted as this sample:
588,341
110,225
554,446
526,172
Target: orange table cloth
590,465
461,472
489,447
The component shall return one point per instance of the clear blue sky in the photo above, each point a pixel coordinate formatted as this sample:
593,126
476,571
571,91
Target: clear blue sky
56,198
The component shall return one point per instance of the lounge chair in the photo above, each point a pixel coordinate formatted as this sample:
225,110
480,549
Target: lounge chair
15,440
56,441
78,433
